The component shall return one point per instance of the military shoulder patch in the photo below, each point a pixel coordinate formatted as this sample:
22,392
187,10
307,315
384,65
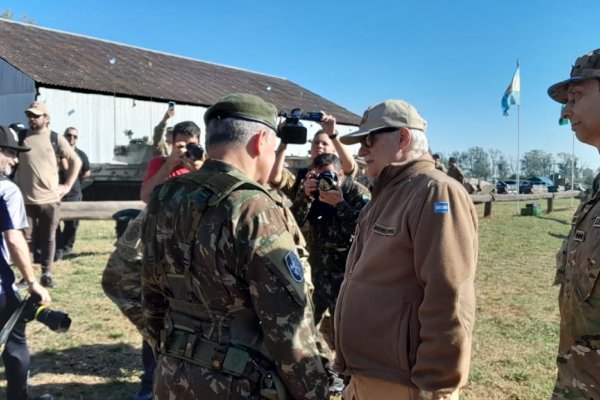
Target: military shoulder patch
441,207
294,266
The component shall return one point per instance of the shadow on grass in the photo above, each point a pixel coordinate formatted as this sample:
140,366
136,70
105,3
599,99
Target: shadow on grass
82,391
559,220
558,235
74,256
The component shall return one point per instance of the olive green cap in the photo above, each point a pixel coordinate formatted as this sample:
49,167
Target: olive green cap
243,106
586,67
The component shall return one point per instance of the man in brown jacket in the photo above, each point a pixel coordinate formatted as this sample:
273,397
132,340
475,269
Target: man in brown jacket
406,309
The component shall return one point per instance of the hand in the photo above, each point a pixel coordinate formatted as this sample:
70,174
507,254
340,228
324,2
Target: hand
169,114
177,156
311,185
332,197
328,124
35,287
63,189
192,165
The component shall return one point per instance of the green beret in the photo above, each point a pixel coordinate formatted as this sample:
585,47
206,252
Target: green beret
243,106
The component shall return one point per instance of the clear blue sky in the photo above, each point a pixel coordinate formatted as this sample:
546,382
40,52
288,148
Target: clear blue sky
451,59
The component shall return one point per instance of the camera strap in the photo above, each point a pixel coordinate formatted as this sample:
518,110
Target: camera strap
10,324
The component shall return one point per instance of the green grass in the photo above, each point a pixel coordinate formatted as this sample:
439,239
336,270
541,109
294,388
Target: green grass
515,341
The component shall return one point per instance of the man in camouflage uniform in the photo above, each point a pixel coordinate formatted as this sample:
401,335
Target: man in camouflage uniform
224,295
331,213
578,261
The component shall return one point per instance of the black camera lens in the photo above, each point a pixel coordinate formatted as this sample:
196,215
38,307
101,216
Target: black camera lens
194,151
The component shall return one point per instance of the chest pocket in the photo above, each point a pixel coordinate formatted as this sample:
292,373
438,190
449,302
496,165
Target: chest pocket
585,276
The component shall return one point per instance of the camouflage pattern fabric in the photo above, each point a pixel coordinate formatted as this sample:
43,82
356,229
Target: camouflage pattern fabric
243,261
578,268
456,173
330,234
122,276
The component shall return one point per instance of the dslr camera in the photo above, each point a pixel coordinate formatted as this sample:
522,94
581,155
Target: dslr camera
292,131
57,321
194,151
326,180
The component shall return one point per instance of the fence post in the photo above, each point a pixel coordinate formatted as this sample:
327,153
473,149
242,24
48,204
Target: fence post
487,209
550,204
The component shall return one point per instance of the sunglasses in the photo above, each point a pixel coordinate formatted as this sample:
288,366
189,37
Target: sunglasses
367,140
70,136
33,116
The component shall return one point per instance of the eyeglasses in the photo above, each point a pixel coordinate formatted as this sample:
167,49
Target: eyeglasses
367,140
9,153
70,136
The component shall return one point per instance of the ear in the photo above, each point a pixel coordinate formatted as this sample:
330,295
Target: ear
404,139
258,141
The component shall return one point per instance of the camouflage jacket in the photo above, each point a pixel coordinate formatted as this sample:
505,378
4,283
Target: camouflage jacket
331,229
578,269
242,260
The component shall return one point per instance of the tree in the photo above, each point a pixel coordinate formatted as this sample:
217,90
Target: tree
537,163
479,163
8,14
567,164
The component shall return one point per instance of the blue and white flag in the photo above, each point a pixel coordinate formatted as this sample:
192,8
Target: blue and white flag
512,96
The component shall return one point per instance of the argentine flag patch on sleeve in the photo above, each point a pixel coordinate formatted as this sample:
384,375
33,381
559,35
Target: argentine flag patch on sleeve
441,207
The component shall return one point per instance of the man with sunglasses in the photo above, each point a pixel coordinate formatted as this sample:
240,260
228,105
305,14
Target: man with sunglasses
13,248
405,313
65,238
37,177
578,261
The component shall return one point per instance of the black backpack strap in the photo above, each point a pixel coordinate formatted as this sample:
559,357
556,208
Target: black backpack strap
22,134
54,140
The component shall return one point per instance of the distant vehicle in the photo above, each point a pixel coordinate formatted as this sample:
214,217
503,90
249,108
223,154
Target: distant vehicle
576,186
506,187
543,181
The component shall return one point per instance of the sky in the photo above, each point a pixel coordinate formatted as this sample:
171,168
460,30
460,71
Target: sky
451,59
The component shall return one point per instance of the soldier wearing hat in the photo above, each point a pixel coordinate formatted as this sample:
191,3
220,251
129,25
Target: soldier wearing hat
454,171
12,242
578,261
405,314
224,294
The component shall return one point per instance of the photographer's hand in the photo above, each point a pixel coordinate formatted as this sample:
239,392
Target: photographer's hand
35,287
332,197
311,185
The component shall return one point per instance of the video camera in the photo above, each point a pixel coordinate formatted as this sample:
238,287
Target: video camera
292,131
57,321
194,151
326,180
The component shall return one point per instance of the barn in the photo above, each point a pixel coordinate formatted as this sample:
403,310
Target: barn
114,92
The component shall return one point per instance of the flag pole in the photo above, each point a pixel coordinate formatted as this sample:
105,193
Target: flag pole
572,167
518,154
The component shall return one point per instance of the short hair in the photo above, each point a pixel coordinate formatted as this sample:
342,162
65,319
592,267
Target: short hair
70,129
231,130
418,143
327,159
187,128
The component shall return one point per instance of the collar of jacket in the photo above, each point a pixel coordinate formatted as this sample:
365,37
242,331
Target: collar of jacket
398,171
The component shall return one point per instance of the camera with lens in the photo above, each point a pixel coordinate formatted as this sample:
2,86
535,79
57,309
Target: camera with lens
326,180
194,151
292,131
57,321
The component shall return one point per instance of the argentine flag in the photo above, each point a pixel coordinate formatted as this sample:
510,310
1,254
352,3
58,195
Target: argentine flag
512,96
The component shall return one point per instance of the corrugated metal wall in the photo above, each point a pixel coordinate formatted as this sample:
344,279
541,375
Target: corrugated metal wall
17,90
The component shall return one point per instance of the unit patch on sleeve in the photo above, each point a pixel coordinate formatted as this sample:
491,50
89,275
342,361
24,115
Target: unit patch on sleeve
294,266
441,207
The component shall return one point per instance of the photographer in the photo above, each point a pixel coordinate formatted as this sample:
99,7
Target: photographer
162,143
330,201
179,162
324,141
13,220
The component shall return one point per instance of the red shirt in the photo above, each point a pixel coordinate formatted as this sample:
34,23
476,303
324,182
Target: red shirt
157,162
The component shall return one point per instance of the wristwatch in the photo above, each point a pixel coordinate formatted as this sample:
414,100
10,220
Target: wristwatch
333,136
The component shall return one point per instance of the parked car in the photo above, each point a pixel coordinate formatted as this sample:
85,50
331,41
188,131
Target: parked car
506,187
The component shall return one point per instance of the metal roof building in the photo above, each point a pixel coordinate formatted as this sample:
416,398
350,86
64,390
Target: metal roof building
106,89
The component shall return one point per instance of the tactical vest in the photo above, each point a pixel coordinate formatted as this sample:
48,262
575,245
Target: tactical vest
193,331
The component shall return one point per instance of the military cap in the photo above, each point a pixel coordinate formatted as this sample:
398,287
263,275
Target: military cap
586,67
388,114
243,106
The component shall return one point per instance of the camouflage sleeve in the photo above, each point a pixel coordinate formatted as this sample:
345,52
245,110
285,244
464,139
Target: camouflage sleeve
349,209
301,205
287,183
278,291
154,305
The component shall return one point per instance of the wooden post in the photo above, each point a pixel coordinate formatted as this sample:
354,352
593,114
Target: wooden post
550,204
487,209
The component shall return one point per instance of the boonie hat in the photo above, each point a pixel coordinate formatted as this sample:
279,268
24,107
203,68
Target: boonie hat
586,67
8,140
388,114
38,108
243,106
